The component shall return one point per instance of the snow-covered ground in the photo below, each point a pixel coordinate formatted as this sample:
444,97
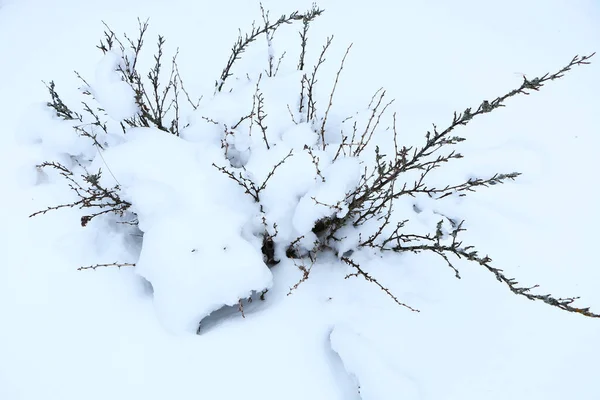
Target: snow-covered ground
108,334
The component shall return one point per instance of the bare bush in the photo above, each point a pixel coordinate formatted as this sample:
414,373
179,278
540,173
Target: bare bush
386,178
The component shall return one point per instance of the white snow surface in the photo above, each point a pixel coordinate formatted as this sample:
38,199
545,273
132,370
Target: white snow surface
114,95
130,332
193,255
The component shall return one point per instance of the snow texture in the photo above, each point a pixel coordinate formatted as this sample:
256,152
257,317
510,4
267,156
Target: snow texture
126,333
194,254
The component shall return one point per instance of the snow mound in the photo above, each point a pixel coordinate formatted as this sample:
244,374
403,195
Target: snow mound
113,94
195,254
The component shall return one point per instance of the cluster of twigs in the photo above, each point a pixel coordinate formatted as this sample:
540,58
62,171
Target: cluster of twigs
371,200
250,187
379,187
91,194
268,29
158,105
373,197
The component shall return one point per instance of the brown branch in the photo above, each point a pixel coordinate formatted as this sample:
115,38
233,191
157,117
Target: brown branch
115,264
369,278
337,77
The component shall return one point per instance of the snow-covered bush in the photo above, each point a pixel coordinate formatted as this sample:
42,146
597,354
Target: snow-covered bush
264,174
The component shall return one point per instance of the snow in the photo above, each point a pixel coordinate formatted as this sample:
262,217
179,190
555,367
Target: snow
322,201
193,255
130,332
114,95
378,379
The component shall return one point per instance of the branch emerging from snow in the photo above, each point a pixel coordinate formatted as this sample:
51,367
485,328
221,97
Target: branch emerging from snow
244,41
369,278
115,264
